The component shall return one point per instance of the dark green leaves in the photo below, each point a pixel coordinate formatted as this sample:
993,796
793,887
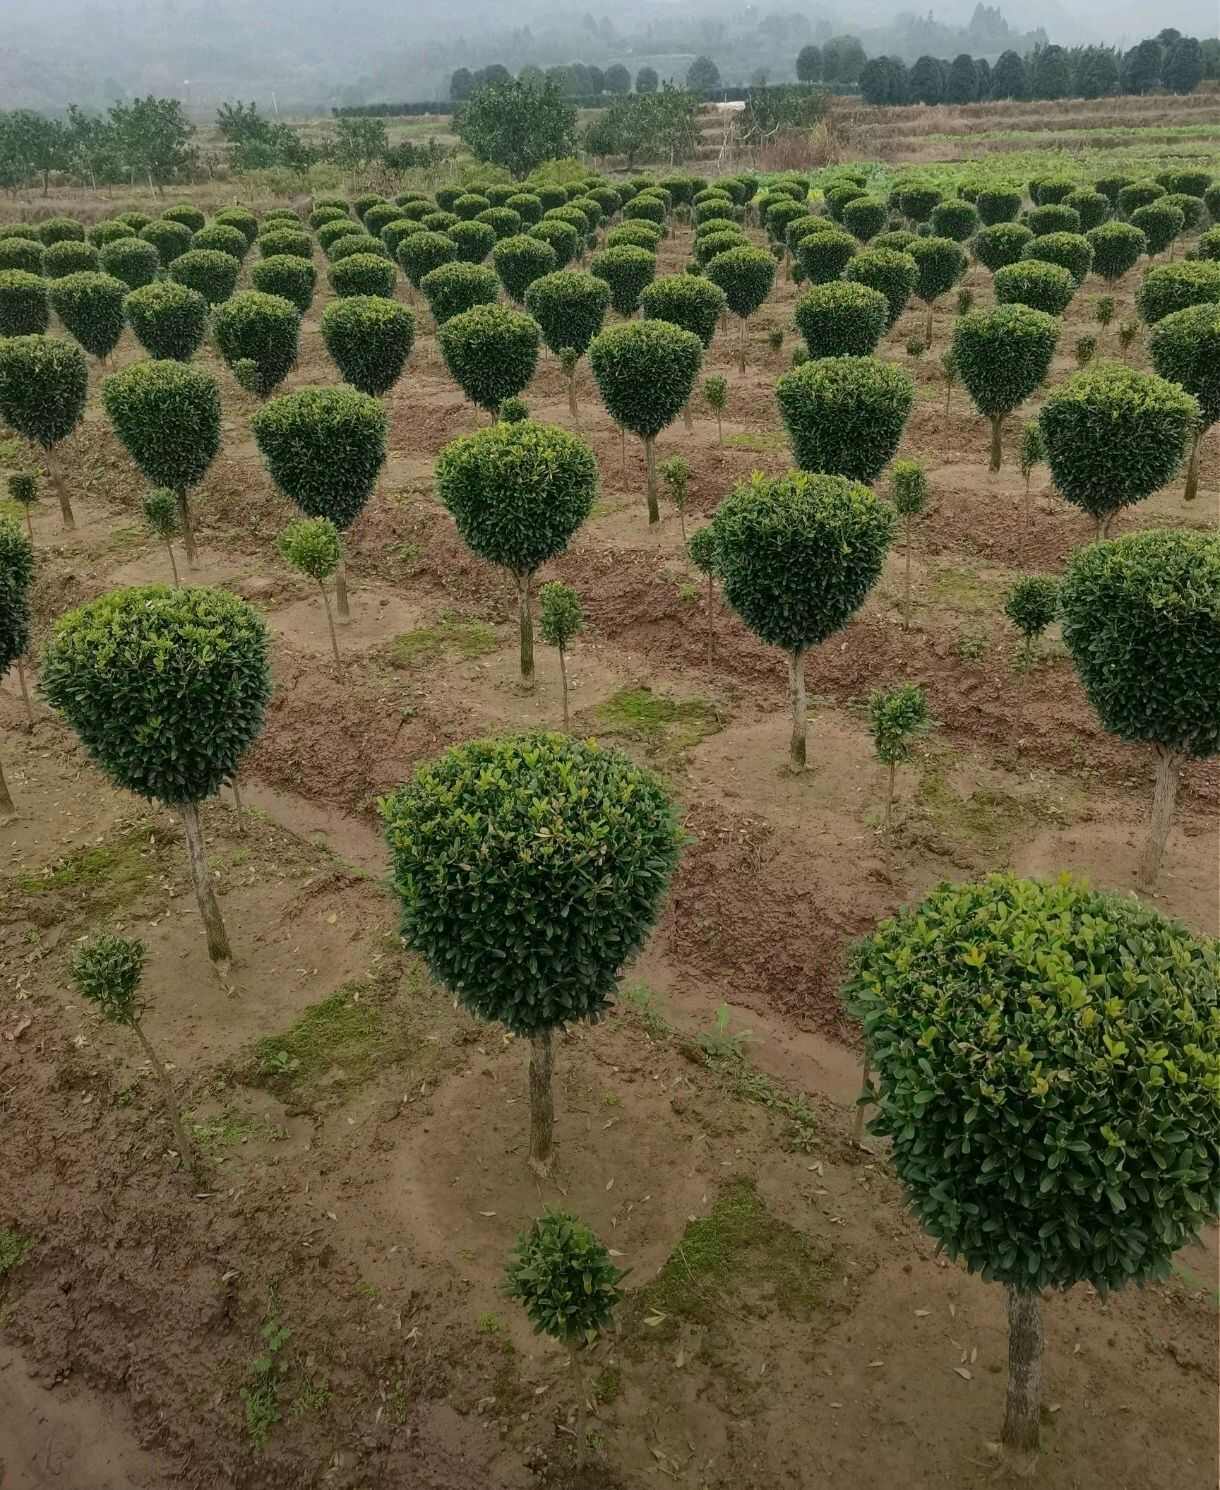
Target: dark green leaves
564,1279
167,415
262,329
43,384
1003,355
645,372
842,319
370,339
169,319
91,307
845,415
324,448
491,352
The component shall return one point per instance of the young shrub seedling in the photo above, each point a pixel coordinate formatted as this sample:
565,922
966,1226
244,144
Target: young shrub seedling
369,339
897,717
1033,453
716,395
107,971
312,545
1031,605
160,510
560,620
845,415
518,492
530,869
90,305
43,384
949,371
491,353
797,557
167,689
1103,311
1003,357
16,577
262,329
1083,350
1141,619
1128,332
675,473
701,550
23,490
1185,349
909,494
1027,1106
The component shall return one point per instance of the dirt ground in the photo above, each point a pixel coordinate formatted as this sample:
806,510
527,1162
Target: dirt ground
327,1311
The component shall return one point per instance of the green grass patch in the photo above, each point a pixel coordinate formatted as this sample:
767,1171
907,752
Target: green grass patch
665,725
739,1248
109,874
761,441
13,1249
452,635
959,589
13,454
343,1040
214,1135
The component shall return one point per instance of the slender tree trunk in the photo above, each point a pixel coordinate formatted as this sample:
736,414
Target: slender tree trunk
1103,526
741,347
25,697
572,409
563,681
1164,797
711,635
330,622
542,1104
60,487
29,524
582,1405
889,797
1022,1411
796,696
525,618
719,429
188,532
218,938
8,808
857,1127
235,786
688,419
906,584
623,452
186,1150
650,470
997,448
173,563
682,520
1023,535
1192,468
927,331
341,604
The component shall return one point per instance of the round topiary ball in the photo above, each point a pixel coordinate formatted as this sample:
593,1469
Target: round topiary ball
626,270
958,221
865,217
570,307
169,320
842,319
822,256
845,415
1002,357
259,328
491,353
1053,218
1033,282
1090,207
370,339
108,231
43,384
1159,223
1069,250
1002,244
69,257
378,215
503,221
561,237
185,213
170,239
288,278
331,232
167,415
997,206
278,241
1117,247
25,254
130,259
1138,194
420,253
687,300
473,240
520,260
941,264
364,274
356,243
324,448
454,288
212,274
1166,288
1185,349
714,244
222,238
240,218
887,271
916,203
24,304
645,372
90,306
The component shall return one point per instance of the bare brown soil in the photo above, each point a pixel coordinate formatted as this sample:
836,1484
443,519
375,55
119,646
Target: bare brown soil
364,1199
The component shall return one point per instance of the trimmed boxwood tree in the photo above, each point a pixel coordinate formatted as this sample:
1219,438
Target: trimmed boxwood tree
797,556
213,274
16,576
520,260
420,253
956,220
563,238
291,279
222,239
91,307
645,373
263,329
518,492
1069,250
474,240
170,239
44,381
167,416
997,206
841,319
24,303
1045,287
331,232
530,869
1113,436
626,270
68,257
502,221
1031,605
1117,247
61,230
169,320
1185,349
185,213
691,301
1141,619
1160,224
941,263
1169,287
25,254
1053,218
453,288
1090,207
570,308
823,256
746,276
369,338
363,274
865,217
1000,245
845,415
1003,356
108,231
240,218
891,273
279,241
491,352
131,260
1045,1059
324,449
167,688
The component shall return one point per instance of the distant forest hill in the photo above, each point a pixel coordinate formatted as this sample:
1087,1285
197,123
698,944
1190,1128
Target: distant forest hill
306,55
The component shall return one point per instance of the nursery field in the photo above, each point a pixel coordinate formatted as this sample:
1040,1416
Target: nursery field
325,1307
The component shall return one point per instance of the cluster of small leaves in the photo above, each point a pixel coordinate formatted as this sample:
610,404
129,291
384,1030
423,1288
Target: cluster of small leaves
564,1279
1041,286
1002,244
889,272
845,415
169,320
16,576
560,615
258,328
940,263
691,301
24,305
166,687
170,239
131,260
370,338
90,305
1032,604
43,384
626,270
167,414
530,869
491,352
908,487
324,448
291,279
312,545
1185,349
842,319
68,257
1003,355
1169,287
645,372
107,971
161,513
1047,1060
897,717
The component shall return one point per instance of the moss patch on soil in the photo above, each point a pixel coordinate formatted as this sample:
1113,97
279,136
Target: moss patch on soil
452,634
664,725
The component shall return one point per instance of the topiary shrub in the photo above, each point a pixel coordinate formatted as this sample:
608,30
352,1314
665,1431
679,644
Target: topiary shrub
213,275
24,304
941,263
502,221
185,213
865,217
131,260
61,230
957,221
1113,436
379,215
845,415
890,273
420,253
169,319
1053,218
842,319
520,260
555,926
1027,1106
69,257
472,240
1003,244
90,306
370,339
1003,356
1166,288
288,278
746,276
244,221
645,373
574,217
1190,208
1117,247
714,244
356,243
1192,183
779,214
24,254
491,353
1160,225
823,256
278,241
135,219
16,577
570,308
997,206
363,274
645,208
687,300
1110,186
219,238
626,270
331,232
43,384
1031,605
1036,283
259,328
1069,250
528,206
369,199
797,556
170,239
1138,194
1090,207
1185,349
518,492
916,203
561,237
167,689
109,230
454,288
282,216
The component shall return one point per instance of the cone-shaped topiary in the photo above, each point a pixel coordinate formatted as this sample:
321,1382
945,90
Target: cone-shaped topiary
887,271
530,869
25,254
170,239
570,307
167,415
845,415
1169,287
240,218
263,329
842,319
797,556
212,274
453,288
43,384
218,237
1053,218
370,339
363,274
1045,1059
420,253
24,304
997,206
562,237
1069,250
131,260
491,353
941,263
822,256
290,278
687,300
473,240
167,688
1041,286
746,276
1160,224
1113,436
1002,244
627,270
518,492
1117,247
169,319
1003,356
520,260
956,220
1185,349
69,257
91,307
645,373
